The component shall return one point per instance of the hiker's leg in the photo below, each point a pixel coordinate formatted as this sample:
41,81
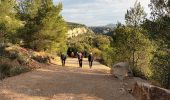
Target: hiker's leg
90,64
64,63
81,63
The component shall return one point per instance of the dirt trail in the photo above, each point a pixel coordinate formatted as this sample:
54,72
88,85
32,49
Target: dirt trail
69,83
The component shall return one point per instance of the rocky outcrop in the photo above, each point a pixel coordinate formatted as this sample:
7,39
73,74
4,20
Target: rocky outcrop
146,91
76,31
121,70
140,89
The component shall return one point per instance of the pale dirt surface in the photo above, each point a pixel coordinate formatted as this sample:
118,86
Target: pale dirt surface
68,83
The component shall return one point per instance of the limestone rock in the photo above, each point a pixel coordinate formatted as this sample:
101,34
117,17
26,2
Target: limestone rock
146,91
76,31
121,70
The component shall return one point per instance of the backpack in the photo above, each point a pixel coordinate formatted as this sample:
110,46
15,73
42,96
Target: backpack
80,56
90,58
63,57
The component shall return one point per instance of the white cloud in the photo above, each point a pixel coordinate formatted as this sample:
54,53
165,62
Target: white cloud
98,12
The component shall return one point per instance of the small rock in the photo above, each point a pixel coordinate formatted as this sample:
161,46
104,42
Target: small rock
122,90
129,90
125,84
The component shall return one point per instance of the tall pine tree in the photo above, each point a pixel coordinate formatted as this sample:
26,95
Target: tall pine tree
136,15
8,21
45,28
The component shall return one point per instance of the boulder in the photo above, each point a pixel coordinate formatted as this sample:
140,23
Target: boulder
121,70
146,91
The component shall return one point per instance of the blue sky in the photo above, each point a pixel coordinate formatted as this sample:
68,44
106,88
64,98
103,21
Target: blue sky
97,12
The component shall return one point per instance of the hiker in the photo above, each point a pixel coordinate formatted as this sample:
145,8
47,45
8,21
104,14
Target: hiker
90,59
80,59
63,59
72,54
85,54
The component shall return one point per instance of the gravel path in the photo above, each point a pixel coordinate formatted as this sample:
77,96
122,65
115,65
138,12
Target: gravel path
68,83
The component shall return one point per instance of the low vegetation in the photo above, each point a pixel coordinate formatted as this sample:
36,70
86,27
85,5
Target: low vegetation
7,70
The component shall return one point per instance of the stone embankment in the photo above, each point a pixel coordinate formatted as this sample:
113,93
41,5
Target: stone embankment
140,89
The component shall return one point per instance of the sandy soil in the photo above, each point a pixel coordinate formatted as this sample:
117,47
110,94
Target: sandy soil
65,83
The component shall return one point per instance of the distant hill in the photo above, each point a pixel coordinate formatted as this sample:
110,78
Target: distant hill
111,25
77,28
107,29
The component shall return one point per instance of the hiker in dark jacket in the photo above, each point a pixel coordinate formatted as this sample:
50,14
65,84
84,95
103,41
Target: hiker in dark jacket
63,59
80,59
90,59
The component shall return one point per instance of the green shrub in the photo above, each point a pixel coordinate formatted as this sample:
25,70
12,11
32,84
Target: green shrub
13,55
1,50
97,53
41,59
137,72
23,59
108,56
161,68
18,70
4,70
7,70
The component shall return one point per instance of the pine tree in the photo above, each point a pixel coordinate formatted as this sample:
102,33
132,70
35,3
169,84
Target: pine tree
136,15
45,28
8,21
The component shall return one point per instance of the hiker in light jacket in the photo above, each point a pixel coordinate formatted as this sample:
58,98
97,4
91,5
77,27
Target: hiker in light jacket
80,59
